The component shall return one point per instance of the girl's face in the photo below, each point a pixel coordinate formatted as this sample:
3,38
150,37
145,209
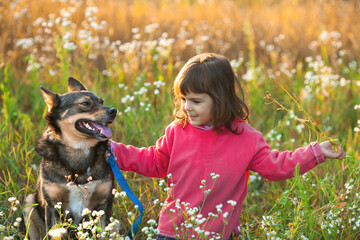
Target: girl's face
198,108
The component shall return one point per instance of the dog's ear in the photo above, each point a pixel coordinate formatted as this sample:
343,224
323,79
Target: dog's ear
51,99
75,85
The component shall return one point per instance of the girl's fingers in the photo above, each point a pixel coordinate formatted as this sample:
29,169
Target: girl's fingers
107,155
342,153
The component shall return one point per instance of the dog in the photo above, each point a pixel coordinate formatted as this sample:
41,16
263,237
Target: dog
73,170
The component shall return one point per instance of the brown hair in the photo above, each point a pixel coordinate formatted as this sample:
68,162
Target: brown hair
212,74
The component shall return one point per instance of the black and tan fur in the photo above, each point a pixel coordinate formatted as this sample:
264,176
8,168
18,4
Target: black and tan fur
73,169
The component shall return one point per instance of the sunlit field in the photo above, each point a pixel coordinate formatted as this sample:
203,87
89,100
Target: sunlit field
129,52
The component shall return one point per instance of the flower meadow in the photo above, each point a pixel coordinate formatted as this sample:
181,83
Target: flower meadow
129,52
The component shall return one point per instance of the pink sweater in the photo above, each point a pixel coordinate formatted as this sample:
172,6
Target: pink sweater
191,155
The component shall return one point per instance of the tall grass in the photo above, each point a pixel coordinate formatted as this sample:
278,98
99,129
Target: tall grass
129,52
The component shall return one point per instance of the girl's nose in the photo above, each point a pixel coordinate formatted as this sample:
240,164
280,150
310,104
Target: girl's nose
188,106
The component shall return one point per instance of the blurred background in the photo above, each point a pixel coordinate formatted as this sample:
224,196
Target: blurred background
274,32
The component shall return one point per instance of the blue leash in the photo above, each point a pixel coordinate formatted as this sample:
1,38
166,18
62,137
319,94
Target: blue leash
125,187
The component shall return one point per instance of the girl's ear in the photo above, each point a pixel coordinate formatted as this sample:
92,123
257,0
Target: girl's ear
75,85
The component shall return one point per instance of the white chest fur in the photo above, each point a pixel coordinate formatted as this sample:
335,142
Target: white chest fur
75,198
80,198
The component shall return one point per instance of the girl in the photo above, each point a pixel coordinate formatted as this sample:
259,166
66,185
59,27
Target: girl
210,141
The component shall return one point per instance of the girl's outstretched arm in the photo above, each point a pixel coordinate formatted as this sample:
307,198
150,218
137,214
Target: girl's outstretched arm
151,162
274,165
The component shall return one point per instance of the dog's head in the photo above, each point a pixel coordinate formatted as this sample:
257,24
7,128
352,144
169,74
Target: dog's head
78,117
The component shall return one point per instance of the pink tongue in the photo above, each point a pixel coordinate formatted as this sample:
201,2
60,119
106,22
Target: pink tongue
104,130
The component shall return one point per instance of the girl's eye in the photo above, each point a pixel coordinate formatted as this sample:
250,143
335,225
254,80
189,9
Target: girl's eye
85,104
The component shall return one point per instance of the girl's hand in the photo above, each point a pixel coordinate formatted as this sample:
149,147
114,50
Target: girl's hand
107,154
330,152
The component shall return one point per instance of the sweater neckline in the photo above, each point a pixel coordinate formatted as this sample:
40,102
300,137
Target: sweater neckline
203,127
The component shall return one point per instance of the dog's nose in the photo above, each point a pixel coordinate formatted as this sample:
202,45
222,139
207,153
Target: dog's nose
112,111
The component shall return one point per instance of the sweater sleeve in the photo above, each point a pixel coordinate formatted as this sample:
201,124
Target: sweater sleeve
275,166
150,162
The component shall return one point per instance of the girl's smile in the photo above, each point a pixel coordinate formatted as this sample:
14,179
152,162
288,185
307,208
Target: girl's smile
198,108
